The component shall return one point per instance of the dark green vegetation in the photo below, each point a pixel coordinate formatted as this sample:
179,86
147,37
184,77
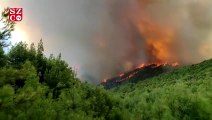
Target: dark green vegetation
185,93
33,86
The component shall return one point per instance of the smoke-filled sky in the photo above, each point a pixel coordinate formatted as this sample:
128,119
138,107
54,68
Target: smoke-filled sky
105,37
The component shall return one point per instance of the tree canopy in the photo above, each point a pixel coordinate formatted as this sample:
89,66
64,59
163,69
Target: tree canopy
33,86
8,27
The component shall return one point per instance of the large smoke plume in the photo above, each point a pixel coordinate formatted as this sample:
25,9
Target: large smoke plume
145,31
106,37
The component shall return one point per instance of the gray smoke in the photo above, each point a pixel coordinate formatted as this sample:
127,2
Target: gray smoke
101,37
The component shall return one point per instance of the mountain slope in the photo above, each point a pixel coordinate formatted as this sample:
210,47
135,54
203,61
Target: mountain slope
138,74
185,93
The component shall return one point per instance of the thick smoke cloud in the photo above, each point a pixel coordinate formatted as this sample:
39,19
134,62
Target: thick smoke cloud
142,31
105,37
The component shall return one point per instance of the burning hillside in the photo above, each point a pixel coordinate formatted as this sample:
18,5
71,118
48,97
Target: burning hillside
140,73
148,31
145,39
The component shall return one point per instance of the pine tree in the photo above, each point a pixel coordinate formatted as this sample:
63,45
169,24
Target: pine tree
3,57
5,32
18,55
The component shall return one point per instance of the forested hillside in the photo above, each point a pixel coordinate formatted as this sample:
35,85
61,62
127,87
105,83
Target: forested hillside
33,86
185,93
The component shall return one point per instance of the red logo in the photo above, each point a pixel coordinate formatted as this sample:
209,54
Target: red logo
15,14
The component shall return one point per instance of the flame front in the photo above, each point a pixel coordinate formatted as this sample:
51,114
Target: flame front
141,38
159,39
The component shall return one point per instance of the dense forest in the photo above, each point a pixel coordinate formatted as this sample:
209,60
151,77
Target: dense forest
183,94
33,86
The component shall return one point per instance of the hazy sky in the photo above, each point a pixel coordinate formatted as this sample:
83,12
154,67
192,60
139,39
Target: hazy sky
64,25
94,34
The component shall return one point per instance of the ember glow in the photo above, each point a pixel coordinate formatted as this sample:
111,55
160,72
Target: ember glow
142,65
142,72
149,32
107,37
125,75
146,37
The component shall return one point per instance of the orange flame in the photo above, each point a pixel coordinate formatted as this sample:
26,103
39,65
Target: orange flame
141,65
158,40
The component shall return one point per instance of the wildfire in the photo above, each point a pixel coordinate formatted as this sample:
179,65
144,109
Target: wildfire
141,66
128,75
121,75
159,40
175,64
147,39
